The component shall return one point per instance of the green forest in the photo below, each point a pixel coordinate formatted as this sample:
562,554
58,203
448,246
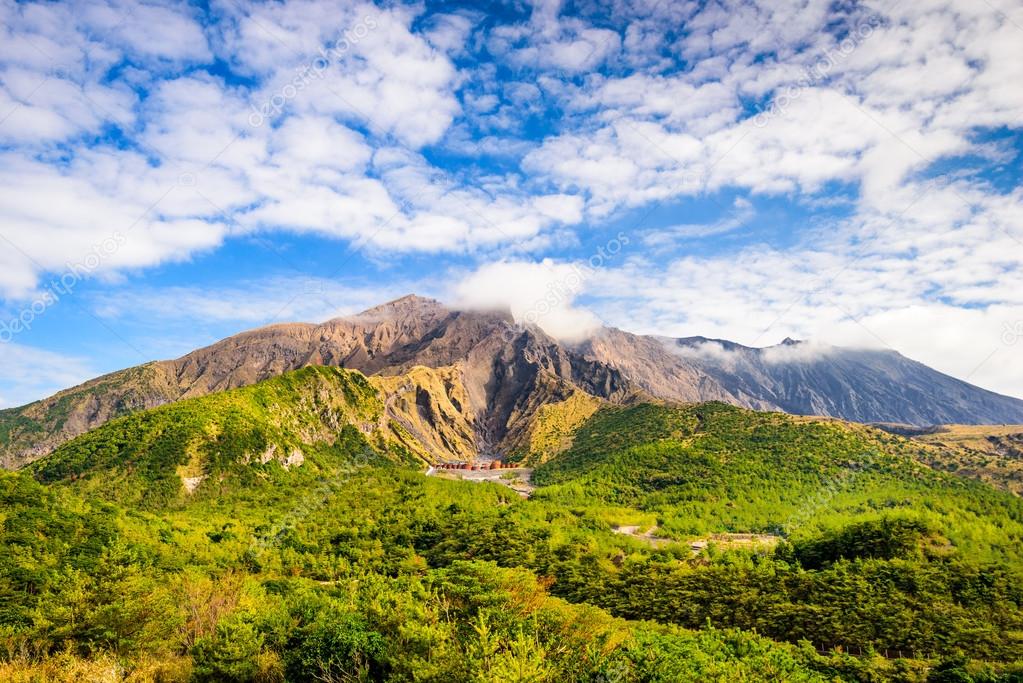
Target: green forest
350,564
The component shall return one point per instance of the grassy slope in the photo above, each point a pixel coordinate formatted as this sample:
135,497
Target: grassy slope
990,453
37,427
554,426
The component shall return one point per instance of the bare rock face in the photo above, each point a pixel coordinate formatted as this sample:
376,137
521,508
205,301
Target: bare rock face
431,410
859,385
654,367
374,340
498,375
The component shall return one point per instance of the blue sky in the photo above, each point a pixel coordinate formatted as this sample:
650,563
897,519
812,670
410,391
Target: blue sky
837,171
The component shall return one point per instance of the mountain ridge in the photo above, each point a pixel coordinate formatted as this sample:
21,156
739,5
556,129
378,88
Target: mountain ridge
509,371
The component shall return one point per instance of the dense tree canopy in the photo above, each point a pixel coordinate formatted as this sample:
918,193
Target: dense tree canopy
354,566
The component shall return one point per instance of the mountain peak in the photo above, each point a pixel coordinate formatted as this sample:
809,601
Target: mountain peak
410,303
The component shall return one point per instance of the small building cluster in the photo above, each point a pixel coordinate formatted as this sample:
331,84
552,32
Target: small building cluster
492,465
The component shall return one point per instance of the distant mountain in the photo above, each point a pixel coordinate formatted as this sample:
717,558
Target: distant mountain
499,376
861,385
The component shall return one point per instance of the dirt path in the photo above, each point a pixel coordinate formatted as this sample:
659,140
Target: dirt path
649,536
722,540
735,541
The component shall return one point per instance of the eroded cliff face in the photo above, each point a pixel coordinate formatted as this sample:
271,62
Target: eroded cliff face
429,410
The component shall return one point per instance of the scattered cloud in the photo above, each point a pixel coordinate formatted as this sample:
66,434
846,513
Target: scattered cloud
741,214
551,42
405,131
324,137
536,293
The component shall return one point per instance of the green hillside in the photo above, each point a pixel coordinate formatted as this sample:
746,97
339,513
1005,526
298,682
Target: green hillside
311,420
354,566
716,468
34,429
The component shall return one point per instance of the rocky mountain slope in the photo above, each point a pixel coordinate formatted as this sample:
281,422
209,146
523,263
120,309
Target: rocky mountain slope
500,375
861,385
504,374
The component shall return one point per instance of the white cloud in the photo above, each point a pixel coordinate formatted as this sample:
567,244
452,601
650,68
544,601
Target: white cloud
710,351
736,360
150,30
742,212
895,94
450,32
209,160
536,293
54,217
804,352
560,207
354,61
552,42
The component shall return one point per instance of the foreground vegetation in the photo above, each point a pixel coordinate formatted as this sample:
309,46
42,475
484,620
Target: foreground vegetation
353,566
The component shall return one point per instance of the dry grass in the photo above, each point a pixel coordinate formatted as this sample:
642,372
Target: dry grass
555,424
67,668
970,436
991,453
